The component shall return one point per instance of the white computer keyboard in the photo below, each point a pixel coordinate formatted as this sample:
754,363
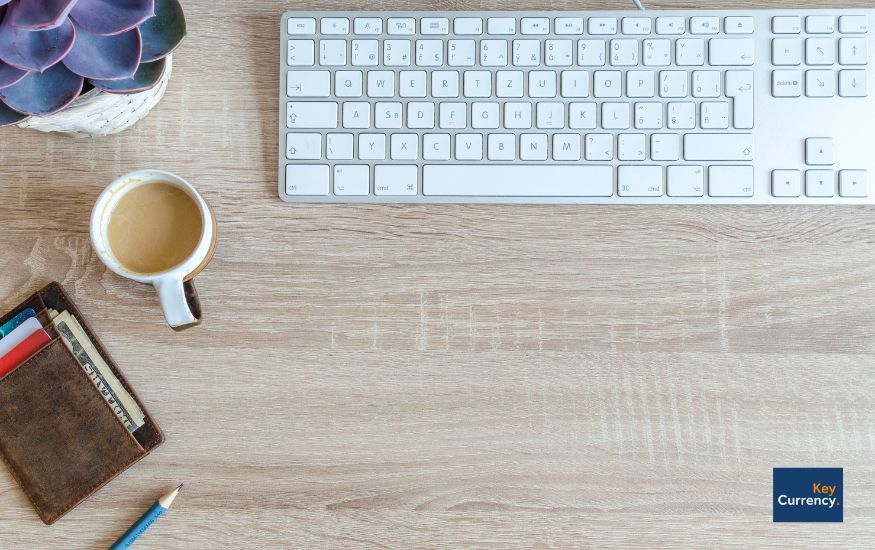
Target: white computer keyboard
710,107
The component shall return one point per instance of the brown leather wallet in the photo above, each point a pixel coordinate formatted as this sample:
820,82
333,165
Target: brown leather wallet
59,437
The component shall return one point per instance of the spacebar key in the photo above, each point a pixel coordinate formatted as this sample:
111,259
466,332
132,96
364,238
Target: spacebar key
499,180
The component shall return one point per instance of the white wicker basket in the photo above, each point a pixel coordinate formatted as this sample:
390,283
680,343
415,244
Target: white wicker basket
99,113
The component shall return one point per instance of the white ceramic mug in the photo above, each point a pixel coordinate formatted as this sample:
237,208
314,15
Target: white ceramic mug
175,287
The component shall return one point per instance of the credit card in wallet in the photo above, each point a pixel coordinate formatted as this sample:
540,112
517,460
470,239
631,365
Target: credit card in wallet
14,323
18,335
22,351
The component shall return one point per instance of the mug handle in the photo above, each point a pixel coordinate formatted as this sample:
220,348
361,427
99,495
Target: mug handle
180,302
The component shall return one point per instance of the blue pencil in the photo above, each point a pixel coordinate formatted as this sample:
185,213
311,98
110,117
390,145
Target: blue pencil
146,520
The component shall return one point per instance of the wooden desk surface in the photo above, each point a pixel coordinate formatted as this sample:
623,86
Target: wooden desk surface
449,376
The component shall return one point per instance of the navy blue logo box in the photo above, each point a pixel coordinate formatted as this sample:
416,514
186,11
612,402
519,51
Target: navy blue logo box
807,495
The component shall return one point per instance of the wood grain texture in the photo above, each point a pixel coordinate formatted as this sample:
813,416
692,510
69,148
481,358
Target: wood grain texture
450,376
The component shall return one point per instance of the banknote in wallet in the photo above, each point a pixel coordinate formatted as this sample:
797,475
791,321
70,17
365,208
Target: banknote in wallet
83,349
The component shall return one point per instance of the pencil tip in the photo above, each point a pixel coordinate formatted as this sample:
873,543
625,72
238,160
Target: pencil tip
178,487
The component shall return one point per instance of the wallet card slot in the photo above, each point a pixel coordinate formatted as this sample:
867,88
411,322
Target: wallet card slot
58,435
35,302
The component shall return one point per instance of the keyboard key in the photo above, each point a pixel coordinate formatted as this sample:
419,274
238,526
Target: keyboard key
301,26
430,53
685,181
334,25
558,53
311,115
569,25
582,116
372,146
690,52
820,83
671,25
599,147
787,51
853,51
396,53
632,147
436,146
657,53
535,25
308,83
387,115
352,179
348,84
365,53
338,146
468,25
787,24
401,25
332,53
501,25
404,146
356,114
639,181
739,86
381,83
300,53
303,146
470,147
853,24
820,51
854,183
516,180
715,115
731,51
820,183
853,83
566,147
787,83
738,25
786,183
307,179
707,83
503,147
624,52
665,147
718,147
590,53
705,25
462,53
818,152
368,25
434,25
820,24
395,179
533,147
637,25
602,26
493,53
730,181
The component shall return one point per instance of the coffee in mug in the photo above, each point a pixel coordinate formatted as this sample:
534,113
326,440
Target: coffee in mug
154,227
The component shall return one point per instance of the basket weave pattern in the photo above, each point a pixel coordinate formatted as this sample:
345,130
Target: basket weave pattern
99,113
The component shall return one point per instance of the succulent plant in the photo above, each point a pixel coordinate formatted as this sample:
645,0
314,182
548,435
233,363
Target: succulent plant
51,51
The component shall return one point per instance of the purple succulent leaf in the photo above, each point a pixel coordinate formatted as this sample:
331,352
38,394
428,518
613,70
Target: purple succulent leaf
9,75
34,51
112,16
9,116
164,32
101,57
43,93
146,77
40,14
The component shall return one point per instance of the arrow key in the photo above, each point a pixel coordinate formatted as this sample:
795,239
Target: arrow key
820,183
853,183
818,152
852,83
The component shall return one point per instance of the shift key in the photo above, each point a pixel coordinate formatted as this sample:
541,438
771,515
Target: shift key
311,115
718,147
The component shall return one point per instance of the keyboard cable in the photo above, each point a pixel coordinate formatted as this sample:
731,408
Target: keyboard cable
639,4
